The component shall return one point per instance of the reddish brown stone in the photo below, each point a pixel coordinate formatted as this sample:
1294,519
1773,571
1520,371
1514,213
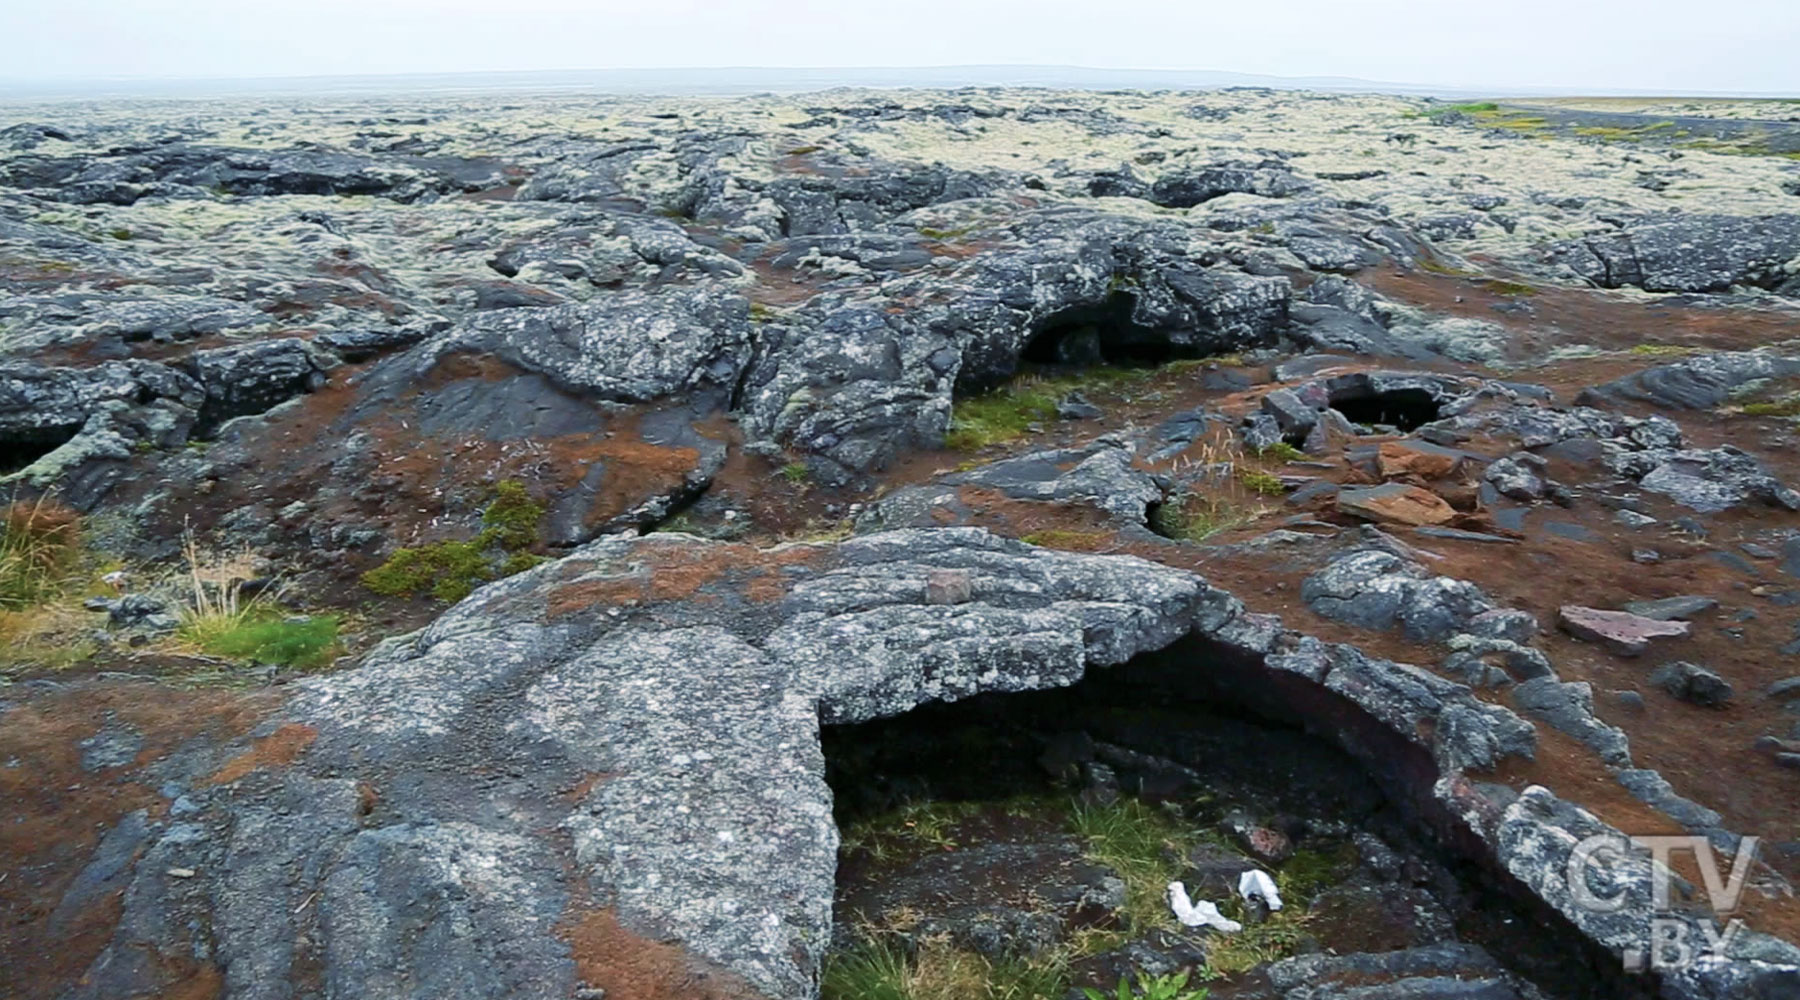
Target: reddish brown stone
1620,631
1396,503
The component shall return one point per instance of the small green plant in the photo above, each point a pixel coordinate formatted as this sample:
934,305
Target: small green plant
1264,483
795,472
40,546
761,313
801,150
119,234
451,570
1173,986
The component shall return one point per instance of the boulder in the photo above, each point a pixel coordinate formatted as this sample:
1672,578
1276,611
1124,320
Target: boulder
1691,682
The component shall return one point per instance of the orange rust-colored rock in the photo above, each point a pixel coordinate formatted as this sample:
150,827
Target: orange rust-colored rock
630,967
278,749
1417,458
1396,503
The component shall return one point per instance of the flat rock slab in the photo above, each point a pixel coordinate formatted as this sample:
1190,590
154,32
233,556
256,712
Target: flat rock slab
1672,608
1396,503
1459,535
1620,631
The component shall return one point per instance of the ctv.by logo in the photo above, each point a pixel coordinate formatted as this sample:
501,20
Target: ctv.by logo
1670,946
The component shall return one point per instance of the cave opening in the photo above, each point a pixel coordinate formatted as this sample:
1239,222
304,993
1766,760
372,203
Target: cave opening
1104,333
20,449
1404,409
971,822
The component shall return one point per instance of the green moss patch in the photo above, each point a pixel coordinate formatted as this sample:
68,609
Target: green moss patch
451,570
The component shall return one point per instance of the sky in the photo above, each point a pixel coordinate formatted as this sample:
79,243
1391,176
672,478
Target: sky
1670,46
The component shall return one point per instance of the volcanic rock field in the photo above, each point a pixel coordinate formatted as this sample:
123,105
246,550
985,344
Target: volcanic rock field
866,545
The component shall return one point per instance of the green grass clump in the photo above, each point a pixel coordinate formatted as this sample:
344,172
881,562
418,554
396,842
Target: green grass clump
873,970
914,828
1264,483
945,234
1282,450
998,416
801,150
1435,266
1789,407
1516,288
794,472
1662,350
511,520
1472,108
1195,517
301,643
451,570
878,970
40,547
1005,413
1143,844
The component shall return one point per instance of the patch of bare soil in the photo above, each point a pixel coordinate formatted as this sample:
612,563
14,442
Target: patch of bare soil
57,809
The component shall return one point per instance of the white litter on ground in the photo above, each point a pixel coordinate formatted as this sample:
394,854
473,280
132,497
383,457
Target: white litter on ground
1198,914
1256,884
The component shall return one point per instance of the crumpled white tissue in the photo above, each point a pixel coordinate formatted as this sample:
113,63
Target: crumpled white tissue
1255,884
1200,914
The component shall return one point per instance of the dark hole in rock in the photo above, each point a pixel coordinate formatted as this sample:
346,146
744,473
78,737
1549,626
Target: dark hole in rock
972,823
23,447
1101,334
1406,409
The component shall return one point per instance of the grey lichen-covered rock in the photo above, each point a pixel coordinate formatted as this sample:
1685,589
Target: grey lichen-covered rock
1697,383
1099,475
853,381
657,701
628,347
250,378
1689,253
1537,838
1375,589
1569,707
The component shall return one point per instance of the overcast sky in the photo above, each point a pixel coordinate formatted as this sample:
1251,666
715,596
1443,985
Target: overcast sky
1664,45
